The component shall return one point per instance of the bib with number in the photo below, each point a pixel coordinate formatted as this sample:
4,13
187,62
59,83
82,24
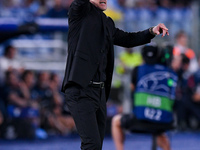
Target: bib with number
155,93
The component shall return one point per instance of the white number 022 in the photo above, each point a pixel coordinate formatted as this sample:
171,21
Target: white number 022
152,114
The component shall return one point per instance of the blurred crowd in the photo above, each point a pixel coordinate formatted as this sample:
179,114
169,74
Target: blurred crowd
27,9
152,4
30,101
31,104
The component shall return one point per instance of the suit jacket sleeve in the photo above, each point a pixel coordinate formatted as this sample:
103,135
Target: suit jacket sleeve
128,39
131,39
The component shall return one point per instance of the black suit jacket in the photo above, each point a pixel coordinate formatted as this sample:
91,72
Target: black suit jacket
89,28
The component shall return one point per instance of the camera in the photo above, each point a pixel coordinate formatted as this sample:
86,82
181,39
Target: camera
158,55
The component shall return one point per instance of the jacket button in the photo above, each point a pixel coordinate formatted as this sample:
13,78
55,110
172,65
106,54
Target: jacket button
102,51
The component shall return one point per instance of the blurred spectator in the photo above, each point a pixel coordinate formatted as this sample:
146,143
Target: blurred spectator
181,3
55,85
46,92
181,47
152,6
17,96
60,119
42,10
19,106
183,95
28,82
176,63
128,60
9,62
122,3
57,121
55,82
35,103
57,11
164,3
192,102
32,7
41,91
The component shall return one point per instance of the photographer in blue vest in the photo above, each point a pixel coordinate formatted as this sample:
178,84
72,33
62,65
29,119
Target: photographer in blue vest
153,87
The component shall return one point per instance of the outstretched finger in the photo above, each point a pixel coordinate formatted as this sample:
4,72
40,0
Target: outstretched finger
163,26
168,33
164,32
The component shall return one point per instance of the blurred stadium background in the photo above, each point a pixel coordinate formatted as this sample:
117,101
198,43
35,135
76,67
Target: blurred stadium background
37,30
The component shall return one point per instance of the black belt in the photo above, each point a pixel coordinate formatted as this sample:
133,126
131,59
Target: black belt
96,84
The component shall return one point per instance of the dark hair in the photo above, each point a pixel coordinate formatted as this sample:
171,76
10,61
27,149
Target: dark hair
7,49
180,34
8,74
150,54
156,55
185,59
25,73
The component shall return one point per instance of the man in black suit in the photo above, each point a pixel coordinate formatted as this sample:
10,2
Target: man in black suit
90,63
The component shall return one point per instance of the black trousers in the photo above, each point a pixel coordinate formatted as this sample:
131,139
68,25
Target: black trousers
88,108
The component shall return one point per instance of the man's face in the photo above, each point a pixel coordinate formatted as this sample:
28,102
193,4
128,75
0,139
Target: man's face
101,4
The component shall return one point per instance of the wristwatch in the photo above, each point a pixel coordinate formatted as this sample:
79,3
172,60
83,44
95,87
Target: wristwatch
151,31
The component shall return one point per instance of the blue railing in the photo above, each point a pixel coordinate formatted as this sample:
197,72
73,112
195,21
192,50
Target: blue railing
44,24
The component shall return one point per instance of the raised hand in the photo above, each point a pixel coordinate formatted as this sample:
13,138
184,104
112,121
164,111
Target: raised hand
160,28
